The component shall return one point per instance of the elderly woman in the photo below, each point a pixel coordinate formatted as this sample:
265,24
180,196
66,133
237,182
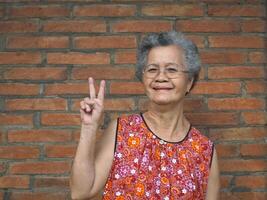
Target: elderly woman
157,154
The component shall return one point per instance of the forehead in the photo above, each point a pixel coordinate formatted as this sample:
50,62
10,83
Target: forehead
166,54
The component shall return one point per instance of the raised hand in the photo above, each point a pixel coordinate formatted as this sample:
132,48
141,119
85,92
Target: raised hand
92,107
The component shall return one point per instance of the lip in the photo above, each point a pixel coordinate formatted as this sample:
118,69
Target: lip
162,88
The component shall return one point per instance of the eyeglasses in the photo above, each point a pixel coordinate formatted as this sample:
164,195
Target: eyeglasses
172,70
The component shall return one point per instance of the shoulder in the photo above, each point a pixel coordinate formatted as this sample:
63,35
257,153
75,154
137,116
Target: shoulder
131,119
200,137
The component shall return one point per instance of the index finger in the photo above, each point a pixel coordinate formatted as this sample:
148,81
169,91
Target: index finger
101,92
91,87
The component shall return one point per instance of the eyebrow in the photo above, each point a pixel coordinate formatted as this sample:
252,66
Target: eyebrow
167,64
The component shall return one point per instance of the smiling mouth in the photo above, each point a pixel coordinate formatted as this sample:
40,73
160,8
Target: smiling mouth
162,88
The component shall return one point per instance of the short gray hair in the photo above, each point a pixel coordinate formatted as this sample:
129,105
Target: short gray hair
152,40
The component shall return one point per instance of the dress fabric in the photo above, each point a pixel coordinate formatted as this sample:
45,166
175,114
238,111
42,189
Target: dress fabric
148,167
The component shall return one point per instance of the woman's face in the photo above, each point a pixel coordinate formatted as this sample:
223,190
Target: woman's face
161,89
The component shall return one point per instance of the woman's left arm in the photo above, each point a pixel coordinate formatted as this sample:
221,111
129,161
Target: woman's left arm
214,179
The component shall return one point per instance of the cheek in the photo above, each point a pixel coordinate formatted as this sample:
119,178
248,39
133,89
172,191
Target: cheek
181,86
146,84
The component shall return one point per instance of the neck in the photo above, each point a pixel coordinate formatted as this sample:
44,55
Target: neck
167,121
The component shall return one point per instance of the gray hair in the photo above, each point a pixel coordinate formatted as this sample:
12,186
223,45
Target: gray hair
169,38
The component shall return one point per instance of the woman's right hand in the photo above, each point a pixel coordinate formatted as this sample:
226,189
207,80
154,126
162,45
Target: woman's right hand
92,107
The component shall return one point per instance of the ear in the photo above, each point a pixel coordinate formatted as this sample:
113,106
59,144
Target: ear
189,84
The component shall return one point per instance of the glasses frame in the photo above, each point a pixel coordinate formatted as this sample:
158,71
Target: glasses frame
164,70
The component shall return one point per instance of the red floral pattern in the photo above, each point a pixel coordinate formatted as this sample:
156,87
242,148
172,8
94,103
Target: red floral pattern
147,167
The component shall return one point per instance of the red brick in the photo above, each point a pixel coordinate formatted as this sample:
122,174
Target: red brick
125,57
36,104
257,57
253,149
236,41
2,137
2,167
216,88
193,105
16,119
18,152
19,1
255,117
213,119
251,182
254,87
105,10
61,151
173,10
238,134
225,181
141,26
256,1
39,135
126,88
74,1
198,40
38,195
229,57
41,42
18,27
201,75
243,195
18,89
78,58
207,26
82,73
236,103
98,42
75,26
20,57
66,88
253,26
60,119
227,150
235,72
39,11
216,1
138,0
236,11
40,167
51,182
18,182
121,104
2,12
238,165
36,73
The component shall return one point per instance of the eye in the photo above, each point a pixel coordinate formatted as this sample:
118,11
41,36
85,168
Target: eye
152,70
172,70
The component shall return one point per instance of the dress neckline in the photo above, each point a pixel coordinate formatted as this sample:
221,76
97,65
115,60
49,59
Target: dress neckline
171,142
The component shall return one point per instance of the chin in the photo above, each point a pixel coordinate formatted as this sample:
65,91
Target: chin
163,101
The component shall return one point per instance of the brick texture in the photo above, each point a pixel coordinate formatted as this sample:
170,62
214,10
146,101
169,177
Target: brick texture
49,49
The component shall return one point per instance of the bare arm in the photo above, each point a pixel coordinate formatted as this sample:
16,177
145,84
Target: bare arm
92,161
214,179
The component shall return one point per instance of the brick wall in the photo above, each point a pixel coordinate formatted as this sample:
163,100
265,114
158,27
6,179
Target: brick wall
48,49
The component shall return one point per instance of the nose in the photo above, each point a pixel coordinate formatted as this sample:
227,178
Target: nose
161,76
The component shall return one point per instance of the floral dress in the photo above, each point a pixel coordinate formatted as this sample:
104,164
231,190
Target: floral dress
148,167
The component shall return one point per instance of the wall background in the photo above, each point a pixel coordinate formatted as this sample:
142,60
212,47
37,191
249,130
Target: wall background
49,48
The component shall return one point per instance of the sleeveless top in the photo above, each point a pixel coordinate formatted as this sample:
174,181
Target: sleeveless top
148,167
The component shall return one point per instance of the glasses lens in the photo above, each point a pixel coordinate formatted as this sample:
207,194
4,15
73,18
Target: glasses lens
171,71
